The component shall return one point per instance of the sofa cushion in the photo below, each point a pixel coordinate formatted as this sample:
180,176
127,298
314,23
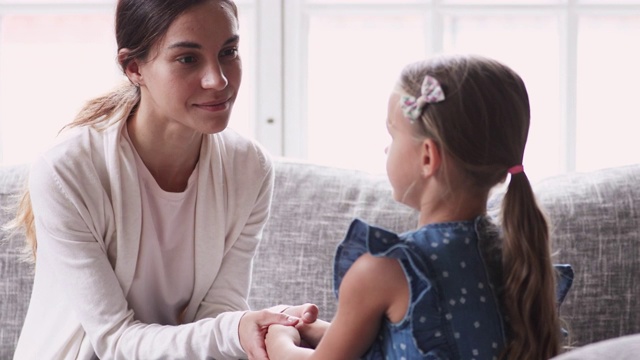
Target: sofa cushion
16,276
622,348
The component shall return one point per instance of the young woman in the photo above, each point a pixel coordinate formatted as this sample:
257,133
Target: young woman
459,286
148,212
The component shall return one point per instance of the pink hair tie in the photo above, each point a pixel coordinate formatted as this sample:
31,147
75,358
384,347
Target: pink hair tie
516,169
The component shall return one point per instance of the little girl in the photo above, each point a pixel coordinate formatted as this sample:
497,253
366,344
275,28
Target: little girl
461,286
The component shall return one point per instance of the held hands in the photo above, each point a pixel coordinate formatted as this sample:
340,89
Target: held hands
254,324
294,342
310,327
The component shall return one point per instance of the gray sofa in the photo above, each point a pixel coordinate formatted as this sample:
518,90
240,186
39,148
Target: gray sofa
596,228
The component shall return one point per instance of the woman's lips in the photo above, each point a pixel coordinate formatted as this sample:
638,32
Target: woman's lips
218,105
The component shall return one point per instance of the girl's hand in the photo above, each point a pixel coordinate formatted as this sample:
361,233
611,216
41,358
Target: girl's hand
311,334
307,327
280,339
253,329
308,313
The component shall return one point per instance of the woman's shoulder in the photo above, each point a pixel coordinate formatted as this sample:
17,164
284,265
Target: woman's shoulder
76,153
241,150
71,146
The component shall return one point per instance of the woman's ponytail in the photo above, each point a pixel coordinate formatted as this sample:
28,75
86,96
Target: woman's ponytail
99,112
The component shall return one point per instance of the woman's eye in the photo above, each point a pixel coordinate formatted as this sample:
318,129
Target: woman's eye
231,52
187,59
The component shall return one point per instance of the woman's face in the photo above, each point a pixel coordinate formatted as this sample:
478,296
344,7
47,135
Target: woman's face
403,156
191,78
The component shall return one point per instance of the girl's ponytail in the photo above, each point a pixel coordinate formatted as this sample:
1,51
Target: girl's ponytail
529,277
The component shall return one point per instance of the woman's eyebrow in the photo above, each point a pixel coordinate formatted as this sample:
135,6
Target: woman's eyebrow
232,40
185,44
195,45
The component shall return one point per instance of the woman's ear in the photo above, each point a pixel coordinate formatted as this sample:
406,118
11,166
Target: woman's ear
431,157
132,68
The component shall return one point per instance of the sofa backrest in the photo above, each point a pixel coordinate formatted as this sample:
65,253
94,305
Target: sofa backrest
595,220
594,216
596,228
16,275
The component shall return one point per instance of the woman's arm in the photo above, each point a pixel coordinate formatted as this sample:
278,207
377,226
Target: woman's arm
74,220
72,217
372,289
249,192
250,182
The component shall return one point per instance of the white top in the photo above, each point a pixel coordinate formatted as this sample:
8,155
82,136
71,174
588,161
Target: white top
163,281
87,204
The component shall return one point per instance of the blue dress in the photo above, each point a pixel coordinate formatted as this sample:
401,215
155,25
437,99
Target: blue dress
453,272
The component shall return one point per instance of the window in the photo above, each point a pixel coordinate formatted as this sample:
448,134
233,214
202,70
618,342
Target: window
52,58
317,73
576,57
55,56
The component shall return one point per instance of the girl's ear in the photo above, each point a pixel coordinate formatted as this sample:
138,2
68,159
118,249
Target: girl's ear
431,157
132,69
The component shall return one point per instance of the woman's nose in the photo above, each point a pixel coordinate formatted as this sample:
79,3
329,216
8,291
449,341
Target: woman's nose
214,78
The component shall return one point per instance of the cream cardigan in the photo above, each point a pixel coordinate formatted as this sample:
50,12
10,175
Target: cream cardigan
86,200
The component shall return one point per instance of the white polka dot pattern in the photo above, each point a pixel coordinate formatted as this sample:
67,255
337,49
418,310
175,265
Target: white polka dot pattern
453,305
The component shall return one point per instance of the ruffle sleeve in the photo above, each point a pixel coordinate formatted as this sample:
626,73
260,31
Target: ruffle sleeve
361,238
425,331
564,281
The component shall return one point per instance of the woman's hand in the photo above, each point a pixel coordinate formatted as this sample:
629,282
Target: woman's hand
253,329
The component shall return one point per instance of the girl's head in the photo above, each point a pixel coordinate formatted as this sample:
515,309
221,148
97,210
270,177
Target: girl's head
475,113
481,121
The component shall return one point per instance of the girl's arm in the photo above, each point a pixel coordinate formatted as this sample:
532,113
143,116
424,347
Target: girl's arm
372,289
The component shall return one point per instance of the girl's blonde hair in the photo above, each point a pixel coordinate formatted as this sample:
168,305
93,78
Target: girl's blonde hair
139,25
482,127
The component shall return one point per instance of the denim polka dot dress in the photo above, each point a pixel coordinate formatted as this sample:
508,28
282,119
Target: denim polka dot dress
454,311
